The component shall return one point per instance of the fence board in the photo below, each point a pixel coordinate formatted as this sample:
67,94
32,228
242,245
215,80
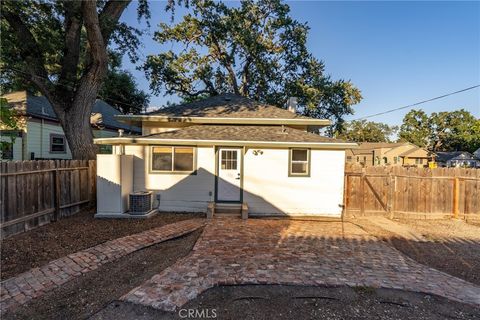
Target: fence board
421,192
28,192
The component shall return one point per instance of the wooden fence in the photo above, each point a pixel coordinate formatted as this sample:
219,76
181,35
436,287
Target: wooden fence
34,193
412,192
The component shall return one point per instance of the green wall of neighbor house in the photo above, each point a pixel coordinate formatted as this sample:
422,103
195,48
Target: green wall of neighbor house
38,140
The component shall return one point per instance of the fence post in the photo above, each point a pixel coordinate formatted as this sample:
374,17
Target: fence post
456,196
392,180
56,194
346,187
362,192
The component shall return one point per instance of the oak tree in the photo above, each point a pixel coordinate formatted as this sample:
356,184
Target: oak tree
456,130
255,49
367,131
60,47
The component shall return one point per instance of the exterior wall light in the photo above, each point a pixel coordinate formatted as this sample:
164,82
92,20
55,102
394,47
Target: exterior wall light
257,152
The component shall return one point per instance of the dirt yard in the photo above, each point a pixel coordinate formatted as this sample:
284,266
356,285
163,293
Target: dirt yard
83,296
294,302
452,246
37,247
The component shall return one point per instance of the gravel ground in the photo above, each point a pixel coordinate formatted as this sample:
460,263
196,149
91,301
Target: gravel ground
83,296
39,246
296,302
445,229
453,246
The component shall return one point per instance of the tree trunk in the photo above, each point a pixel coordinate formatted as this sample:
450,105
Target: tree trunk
77,128
79,136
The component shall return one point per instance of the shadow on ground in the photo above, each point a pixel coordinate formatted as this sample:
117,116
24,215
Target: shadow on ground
297,302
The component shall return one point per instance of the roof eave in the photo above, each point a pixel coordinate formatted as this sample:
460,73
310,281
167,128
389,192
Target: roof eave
225,120
148,141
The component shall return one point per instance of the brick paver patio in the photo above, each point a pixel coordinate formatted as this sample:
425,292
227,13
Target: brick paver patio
36,282
232,251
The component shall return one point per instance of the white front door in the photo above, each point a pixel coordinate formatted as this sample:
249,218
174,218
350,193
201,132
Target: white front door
229,174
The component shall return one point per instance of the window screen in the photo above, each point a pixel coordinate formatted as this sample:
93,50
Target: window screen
299,162
183,159
57,144
172,159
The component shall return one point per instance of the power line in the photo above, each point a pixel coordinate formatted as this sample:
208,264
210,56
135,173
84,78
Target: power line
418,103
361,118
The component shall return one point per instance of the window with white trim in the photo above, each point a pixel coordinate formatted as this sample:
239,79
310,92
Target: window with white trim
299,162
57,143
172,159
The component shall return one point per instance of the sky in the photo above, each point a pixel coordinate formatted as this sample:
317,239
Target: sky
396,53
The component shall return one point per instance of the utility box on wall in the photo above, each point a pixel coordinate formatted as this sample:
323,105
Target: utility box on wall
114,184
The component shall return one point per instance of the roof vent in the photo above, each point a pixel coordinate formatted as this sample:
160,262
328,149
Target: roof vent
228,98
292,104
44,112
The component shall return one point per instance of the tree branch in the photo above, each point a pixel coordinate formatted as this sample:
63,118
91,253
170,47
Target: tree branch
96,43
246,76
71,51
226,60
109,16
29,50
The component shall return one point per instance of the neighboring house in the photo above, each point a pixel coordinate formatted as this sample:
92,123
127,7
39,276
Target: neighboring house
382,154
457,159
41,135
476,153
225,149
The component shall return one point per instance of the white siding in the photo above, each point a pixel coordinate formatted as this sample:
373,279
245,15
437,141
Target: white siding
269,190
38,140
114,183
267,187
178,192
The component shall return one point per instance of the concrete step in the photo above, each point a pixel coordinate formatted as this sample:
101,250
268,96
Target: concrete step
228,208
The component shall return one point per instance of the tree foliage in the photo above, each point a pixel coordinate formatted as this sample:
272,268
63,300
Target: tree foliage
9,120
60,48
367,131
443,131
416,128
120,90
256,50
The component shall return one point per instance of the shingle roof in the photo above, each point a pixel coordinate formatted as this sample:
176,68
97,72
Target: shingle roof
376,145
445,156
40,107
413,151
227,105
242,133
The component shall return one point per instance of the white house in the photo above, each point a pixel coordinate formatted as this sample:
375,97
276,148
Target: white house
225,149
457,159
41,136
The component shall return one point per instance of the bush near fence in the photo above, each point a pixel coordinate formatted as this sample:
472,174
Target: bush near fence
400,192
34,193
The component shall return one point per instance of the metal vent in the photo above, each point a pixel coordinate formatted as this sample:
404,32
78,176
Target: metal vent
140,202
